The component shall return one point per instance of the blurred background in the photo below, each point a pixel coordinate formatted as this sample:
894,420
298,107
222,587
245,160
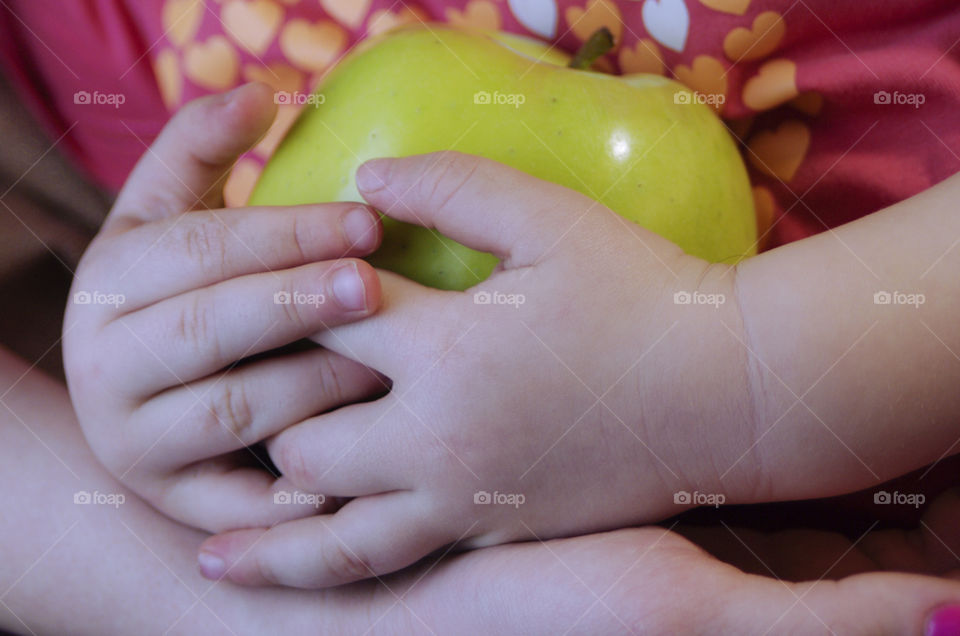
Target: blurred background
48,214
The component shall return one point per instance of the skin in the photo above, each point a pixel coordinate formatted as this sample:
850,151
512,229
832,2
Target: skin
446,188
695,398
177,259
93,560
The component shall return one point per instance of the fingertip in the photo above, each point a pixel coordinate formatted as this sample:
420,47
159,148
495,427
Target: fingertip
371,285
356,288
372,176
250,106
219,557
362,229
212,566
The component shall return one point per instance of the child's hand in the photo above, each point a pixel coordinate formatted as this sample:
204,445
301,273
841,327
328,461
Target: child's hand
568,393
174,292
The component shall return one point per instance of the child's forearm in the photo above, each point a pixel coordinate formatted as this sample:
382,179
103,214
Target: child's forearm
102,568
854,339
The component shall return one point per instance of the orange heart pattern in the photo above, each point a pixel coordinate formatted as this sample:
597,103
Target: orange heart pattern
240,183
765,206
757,42
644,57
252,24
478,14
706,76
774,84
169,79
312,47
736,7
279,76
213,64
780,152
584,22
286,115
181,19
383,20
347,12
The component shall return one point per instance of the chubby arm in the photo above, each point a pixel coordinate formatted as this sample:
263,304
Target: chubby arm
600,401
103,569
854,346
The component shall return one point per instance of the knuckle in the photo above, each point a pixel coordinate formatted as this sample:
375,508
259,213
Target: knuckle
343,562
293,312
194,326
266,567
289,458
203,241
300,238
447,177
229,408
331,382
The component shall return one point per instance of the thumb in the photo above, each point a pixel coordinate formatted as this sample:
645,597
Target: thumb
481,203
187,165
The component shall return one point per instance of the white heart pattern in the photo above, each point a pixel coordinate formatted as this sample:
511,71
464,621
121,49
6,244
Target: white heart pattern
540,16
667,22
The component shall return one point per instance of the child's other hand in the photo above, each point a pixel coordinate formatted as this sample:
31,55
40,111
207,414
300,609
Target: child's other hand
174,291
570,392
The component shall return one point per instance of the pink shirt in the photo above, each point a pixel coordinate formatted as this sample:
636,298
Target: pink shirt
842,107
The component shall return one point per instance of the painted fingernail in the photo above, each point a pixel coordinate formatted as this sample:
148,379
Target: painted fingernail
371,176
360,227
944,621
211,566
348,288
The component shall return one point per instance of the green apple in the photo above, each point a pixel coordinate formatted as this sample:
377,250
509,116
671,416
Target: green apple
641,144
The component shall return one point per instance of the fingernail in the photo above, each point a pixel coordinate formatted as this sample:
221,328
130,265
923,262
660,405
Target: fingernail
211,566
360,228
348,288
944,621
371,176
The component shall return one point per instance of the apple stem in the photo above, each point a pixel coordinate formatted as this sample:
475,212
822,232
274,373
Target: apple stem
600,43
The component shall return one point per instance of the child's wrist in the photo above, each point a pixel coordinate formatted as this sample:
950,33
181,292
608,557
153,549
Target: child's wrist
713,402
